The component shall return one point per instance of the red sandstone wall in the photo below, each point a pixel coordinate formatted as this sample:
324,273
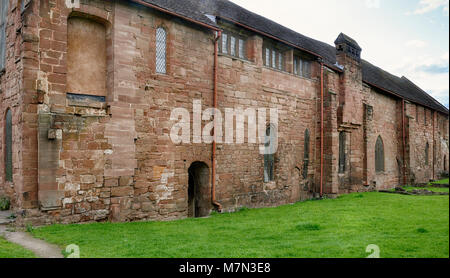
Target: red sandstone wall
13,89
386,122
420,132
115,160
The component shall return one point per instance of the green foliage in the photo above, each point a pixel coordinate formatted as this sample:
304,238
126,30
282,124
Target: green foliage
4,203
331,228
29,227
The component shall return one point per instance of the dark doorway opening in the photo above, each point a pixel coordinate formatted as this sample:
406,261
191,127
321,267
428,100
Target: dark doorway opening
198,190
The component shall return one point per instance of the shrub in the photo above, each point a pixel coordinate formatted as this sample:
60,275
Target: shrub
4,203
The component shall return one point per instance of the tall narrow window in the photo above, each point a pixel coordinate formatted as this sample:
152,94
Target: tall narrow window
295,66
233,46
267,57
269,154
379,155
302,67
241,49
274,59
280,61
8,146
306,155
161,38
225,43
342,154
3,16
86,57
445,163
306,69
427,154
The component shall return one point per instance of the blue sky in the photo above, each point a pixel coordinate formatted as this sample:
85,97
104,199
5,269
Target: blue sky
405,37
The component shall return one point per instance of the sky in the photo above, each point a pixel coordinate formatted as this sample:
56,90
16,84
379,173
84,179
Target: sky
404,37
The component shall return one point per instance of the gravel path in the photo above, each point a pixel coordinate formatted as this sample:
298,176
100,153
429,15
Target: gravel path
39,247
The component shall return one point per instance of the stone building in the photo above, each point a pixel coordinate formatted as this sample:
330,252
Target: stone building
88,88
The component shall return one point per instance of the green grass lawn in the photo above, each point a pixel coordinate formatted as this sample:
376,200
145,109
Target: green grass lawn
402,226
11,250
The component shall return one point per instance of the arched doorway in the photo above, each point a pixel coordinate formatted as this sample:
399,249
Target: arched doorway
199,204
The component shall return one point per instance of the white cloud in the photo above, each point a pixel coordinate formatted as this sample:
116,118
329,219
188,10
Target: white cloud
416,44
426,6
372,4
429,72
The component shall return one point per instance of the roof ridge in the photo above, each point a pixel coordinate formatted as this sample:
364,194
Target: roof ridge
196,9
427,94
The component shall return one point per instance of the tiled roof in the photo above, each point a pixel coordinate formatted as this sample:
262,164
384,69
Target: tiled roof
372,75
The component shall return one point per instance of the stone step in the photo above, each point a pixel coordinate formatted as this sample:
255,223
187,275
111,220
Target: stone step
5,217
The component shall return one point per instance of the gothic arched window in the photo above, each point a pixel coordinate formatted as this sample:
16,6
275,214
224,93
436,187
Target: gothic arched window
342,155
269,154
379,155
306,154
8,146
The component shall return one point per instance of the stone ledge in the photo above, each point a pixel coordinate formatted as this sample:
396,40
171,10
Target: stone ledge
90,101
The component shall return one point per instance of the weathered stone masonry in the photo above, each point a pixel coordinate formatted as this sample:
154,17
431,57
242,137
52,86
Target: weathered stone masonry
101,150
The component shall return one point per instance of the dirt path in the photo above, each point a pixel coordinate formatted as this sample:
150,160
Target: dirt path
39,247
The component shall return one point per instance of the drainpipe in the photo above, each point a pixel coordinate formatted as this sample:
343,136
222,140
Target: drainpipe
404,141
434,144
213,158
321,129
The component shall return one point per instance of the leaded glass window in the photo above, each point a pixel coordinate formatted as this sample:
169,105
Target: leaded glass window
161,40
233,46
241,49
302,67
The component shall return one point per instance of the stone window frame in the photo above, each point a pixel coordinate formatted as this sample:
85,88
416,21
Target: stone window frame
240,45
342,167
299,63
161,56
274,56
8,146
427,154
98,17
306,152
379,155
4,6
269,158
